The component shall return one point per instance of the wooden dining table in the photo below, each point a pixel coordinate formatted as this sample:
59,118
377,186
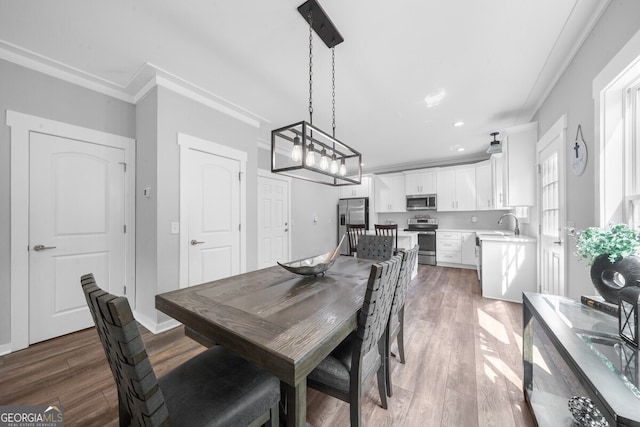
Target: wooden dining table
284,323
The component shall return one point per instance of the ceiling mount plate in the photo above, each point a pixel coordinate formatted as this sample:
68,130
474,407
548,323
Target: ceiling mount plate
322,25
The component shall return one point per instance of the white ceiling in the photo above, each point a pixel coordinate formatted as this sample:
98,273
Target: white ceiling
495,59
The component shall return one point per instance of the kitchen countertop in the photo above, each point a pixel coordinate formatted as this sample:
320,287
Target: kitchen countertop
401,232
493,235
506,239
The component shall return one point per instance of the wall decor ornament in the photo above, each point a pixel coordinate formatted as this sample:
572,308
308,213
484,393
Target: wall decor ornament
579,155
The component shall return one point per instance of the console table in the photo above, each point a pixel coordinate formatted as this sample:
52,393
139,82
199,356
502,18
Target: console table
570,349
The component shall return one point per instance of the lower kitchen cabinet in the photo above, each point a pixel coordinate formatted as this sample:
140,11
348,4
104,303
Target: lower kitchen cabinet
508,267
448,245
456,248
468,248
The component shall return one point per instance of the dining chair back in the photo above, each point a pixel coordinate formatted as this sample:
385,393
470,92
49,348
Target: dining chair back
377,248
388,230
355,231
395,330
215,387
344,373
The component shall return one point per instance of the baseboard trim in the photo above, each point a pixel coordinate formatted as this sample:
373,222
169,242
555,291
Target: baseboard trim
153,326
5,349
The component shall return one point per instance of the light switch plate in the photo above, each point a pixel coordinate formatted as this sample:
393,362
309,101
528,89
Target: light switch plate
175,228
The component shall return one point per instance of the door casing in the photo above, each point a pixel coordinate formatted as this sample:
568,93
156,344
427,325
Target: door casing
188,142
263,173
557,131
21,125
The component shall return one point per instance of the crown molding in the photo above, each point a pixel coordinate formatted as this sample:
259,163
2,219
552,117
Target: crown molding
580,32
136,88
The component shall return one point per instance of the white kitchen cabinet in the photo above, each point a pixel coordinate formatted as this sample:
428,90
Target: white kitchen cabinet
497,166
468,248
448,247
519,154
389,193
422,181
456,188
456,247
484,186
508,268
361,190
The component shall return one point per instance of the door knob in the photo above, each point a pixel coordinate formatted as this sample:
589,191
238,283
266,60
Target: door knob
40,248
557,243
195,242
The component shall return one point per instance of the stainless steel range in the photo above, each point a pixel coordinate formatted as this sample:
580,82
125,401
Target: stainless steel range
426,227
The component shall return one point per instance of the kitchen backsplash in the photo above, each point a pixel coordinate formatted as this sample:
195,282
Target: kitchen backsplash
485,220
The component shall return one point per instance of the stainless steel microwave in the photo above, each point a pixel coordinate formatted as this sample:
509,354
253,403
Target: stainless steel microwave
421,202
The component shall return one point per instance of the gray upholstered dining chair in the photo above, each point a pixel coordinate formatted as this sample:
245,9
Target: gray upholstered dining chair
344,373
216,387
377,248
395,330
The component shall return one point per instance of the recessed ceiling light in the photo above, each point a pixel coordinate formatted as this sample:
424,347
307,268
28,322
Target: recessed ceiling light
461,149
434,99
458,123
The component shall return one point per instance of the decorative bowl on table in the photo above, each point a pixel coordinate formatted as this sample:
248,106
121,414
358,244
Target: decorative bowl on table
314,265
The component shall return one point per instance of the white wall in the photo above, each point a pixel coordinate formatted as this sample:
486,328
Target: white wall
308,199
572,95
162,115
485,220
34,93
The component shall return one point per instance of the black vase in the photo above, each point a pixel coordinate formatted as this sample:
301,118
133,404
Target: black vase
609,278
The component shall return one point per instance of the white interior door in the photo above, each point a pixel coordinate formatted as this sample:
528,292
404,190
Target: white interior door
76,226
214,216
273,221
552,209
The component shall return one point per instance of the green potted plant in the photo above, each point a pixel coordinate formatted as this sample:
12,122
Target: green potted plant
612,254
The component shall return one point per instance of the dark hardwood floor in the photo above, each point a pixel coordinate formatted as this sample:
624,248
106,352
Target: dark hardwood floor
464,365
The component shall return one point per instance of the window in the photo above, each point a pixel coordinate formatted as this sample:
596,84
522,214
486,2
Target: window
632,147
616,91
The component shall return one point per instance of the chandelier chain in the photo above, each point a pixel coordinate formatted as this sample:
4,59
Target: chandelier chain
310,67
333,88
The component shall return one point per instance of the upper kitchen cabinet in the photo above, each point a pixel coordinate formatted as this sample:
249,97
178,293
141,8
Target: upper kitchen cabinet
484,186
456,188
361,190
490,184
422,181
389,193
519,155
497,167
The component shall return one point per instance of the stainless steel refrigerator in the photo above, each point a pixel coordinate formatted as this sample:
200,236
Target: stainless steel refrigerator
351,211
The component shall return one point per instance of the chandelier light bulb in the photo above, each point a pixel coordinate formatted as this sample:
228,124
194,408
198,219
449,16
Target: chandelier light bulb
343,168
334,164
296,152
311,156
324,160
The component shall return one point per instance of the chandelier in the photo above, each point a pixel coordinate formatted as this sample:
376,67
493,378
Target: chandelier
302,150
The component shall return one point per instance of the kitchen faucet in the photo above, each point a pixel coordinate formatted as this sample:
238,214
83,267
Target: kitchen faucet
516,230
